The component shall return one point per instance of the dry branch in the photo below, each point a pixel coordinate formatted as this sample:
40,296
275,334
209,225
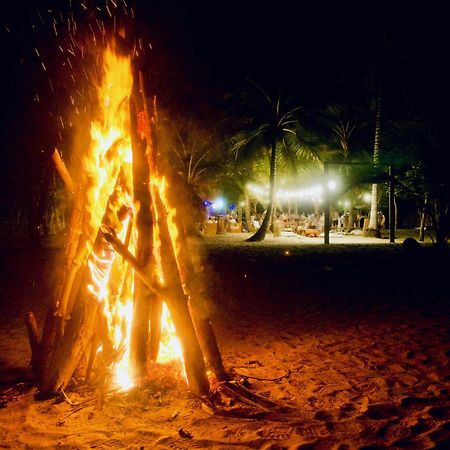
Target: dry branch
33,337
63,172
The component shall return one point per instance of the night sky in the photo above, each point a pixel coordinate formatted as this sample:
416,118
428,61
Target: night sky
314,52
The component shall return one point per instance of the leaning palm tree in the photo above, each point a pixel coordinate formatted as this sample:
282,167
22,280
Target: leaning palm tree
270,130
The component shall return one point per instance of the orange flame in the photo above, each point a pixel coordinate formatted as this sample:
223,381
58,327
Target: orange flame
110,153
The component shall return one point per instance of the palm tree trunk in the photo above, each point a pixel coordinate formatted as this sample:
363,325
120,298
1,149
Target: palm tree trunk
442,218
422,220
261,233
248,219
239,214
373,228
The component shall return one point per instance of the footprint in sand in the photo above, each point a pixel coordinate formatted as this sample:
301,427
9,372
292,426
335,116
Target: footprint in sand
380,411
393,431
111,443
320,444
373,447
326,416
417,402
312,430
441,436
276,433
440,412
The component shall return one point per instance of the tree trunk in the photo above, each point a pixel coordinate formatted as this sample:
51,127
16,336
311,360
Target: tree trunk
351,216
261,233
239,214
373,228
248,217
442,218
422,220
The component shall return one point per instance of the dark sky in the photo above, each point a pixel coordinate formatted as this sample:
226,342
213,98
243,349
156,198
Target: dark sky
316,52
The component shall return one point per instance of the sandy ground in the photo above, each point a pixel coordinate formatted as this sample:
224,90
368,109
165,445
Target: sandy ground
353,336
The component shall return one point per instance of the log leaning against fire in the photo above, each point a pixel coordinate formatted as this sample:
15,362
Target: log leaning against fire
144,298
176,299
71,318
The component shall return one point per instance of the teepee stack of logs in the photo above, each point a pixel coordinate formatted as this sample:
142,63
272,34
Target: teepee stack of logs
121,240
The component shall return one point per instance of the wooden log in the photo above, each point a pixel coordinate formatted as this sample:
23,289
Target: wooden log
33,337
66,274
144,226
194,287
66,347
91,359
120,248
59,369
73,345
177,303
63,172
176,300
156,308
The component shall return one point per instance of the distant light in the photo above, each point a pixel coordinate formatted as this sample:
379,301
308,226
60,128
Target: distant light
367,197
332,185
242,204
287,252
346,203
218,204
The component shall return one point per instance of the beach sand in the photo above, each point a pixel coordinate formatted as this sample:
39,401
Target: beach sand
353,337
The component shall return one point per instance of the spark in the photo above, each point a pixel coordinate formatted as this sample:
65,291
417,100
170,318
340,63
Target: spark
40,17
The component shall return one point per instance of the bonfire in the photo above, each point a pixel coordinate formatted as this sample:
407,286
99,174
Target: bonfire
129,269
129,295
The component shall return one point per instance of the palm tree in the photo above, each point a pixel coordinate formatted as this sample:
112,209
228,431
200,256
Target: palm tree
194,157
343,129
419,150
383,56
373,225
270,129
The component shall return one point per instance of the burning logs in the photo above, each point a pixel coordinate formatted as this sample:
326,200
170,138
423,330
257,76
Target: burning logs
121,268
